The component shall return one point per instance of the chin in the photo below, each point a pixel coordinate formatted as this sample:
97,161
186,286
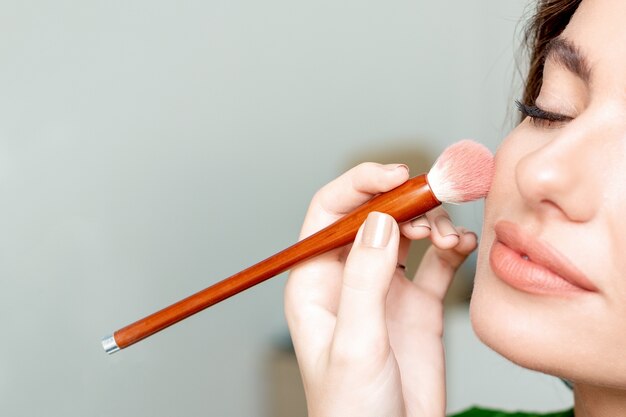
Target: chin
501,325
545,334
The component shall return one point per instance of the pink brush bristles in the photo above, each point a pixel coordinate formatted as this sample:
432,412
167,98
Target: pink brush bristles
462,173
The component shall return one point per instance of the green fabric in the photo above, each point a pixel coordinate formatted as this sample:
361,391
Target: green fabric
482,412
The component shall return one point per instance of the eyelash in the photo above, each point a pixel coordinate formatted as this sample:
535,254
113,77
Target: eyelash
540,117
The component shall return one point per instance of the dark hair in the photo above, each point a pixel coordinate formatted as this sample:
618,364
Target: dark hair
548,21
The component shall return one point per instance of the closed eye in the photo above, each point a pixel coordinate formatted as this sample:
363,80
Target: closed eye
540,117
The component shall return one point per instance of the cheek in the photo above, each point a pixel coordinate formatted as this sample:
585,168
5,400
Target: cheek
614,218
579,341
502,195
489,293
504,191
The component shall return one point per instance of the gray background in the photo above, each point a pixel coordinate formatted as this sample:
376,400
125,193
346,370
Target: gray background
150,148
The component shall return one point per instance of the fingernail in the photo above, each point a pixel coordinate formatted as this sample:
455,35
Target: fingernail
404,167
420,221
445,226
393,167
377,231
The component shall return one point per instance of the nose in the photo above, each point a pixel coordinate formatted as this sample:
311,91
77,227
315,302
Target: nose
562,178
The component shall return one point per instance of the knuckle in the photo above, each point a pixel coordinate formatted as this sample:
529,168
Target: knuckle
367,166
318,196
365,175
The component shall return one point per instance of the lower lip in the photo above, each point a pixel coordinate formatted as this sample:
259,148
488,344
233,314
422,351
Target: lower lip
525,275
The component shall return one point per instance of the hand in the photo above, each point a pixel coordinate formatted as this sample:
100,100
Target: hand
368,340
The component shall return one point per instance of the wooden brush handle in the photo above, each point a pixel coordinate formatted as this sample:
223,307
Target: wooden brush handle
409,200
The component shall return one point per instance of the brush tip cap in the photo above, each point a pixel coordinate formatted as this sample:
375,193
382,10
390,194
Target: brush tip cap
109,344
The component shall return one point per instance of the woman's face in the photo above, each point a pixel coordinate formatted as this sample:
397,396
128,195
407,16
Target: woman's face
550,291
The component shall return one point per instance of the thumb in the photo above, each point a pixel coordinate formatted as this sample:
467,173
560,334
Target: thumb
367,276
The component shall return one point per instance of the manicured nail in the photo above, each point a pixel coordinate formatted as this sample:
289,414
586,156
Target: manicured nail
445,227
393,167
377,231
420,221
402,166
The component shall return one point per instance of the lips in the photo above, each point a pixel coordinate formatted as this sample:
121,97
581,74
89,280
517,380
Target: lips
532,265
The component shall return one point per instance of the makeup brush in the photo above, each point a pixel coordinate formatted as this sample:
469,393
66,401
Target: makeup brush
462,173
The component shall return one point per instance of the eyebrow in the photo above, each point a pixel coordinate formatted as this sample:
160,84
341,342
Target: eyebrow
564,52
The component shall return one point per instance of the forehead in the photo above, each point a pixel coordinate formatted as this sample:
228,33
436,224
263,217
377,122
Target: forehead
598,29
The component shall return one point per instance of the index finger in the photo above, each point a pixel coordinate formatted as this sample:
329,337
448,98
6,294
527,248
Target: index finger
349,191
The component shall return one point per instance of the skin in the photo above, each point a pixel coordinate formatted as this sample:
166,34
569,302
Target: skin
368,339
564,183
359,326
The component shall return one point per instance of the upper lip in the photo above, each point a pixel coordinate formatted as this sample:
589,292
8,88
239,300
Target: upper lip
541,253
